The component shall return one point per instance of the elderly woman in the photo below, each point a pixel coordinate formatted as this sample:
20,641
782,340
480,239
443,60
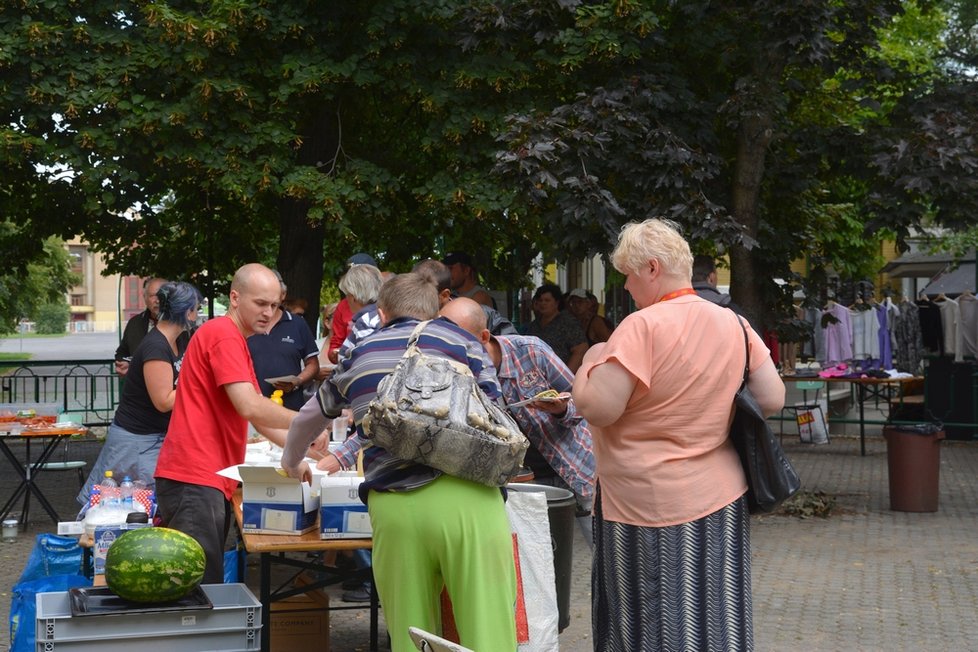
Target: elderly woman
671,566
136,433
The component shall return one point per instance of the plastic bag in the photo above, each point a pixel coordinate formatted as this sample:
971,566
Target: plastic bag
52,555
536,593
234,562
23,607
812,428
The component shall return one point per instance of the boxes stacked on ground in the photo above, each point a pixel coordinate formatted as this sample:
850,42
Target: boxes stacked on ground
301,623
234,623
342,515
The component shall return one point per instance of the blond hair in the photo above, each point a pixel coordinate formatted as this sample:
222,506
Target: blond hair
408,295
653,239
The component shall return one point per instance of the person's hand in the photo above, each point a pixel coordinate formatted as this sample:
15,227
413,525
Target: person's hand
300,472
321,445
286,386
121,367
555,406
324,373
330,464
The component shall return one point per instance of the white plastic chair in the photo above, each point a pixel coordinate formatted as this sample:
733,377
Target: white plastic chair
428,642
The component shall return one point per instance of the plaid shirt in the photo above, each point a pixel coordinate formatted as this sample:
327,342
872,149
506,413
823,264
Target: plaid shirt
528,367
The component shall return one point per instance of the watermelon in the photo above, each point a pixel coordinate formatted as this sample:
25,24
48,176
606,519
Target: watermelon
154,564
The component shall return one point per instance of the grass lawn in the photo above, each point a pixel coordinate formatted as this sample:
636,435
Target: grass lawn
30,336
4,355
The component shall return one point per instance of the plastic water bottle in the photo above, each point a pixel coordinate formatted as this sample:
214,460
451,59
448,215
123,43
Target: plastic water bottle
125,493
110,491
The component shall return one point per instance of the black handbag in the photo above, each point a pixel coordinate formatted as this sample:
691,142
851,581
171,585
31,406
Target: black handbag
770,477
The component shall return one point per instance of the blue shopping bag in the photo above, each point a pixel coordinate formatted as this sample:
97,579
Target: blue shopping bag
55,564
23,606
52,555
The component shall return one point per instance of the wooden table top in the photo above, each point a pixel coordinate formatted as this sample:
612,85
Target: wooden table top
308,542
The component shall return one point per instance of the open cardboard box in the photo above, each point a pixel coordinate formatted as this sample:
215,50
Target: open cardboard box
272,503
342,515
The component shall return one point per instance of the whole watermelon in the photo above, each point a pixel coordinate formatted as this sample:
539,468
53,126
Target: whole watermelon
154,564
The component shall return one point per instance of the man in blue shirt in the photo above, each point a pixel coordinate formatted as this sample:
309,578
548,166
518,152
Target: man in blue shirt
288,351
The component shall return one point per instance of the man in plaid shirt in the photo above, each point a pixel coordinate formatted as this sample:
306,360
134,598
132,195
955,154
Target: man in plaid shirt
560,451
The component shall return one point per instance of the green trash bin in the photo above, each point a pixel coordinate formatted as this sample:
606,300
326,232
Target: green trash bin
913,456
561,508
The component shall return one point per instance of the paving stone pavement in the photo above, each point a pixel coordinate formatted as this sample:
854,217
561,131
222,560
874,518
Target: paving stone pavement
865,578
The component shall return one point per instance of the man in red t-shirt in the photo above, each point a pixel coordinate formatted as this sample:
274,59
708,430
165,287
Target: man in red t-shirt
217,396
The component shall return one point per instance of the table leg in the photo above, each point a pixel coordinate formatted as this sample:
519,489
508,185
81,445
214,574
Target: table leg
266,602
862,418
15,463
25,512
33,470
374,613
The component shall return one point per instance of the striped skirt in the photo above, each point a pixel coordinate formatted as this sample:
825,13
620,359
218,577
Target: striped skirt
676,588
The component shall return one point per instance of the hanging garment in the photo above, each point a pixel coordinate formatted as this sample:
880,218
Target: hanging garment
814,347
949,326
909,350
931,331
967,326
884,335
865,333
838,334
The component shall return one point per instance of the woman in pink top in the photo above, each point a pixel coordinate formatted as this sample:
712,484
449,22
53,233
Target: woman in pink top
672,546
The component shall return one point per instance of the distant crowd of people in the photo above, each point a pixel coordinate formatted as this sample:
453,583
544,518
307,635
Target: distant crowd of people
638,433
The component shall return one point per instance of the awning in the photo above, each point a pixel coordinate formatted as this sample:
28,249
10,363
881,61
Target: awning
919,265
954,282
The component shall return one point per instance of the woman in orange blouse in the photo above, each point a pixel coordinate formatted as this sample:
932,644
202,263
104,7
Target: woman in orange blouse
672,547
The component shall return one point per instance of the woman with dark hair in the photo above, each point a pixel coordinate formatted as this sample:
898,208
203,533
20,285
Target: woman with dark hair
556,327
141,419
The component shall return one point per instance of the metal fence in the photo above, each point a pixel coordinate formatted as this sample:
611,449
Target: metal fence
85,391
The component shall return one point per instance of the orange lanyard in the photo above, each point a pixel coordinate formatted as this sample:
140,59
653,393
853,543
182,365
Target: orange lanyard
677,293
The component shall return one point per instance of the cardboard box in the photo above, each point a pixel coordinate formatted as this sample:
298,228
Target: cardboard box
342,515
301,623
273,504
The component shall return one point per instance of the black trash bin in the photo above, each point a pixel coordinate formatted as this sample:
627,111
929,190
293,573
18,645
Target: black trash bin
561,507
913,456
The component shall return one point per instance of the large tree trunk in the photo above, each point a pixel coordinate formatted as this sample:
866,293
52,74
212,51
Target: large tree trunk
753,141
300,253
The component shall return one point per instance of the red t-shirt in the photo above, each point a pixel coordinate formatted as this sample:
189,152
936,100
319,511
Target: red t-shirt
342,317
206,433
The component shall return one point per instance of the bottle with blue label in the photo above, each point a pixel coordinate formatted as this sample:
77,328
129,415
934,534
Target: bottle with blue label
125,493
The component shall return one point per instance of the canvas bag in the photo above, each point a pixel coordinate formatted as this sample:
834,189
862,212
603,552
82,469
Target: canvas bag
430,410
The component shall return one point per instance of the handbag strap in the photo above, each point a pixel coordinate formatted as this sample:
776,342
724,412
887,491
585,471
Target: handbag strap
746,351
415,334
